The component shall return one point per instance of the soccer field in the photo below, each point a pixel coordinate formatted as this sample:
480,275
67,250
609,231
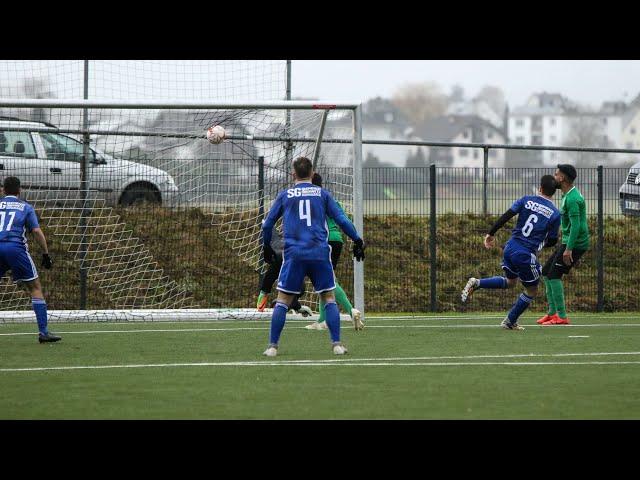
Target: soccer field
429,367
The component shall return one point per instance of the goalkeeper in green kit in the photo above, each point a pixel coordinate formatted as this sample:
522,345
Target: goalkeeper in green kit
575,242
336,243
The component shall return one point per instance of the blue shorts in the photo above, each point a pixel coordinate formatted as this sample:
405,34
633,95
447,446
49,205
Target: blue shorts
293,271
522,264
16,258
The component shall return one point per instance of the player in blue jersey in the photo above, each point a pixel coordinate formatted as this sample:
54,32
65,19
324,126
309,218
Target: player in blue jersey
306,252
537,227
17,218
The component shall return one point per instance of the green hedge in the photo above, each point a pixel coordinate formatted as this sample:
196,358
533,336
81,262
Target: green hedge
193,253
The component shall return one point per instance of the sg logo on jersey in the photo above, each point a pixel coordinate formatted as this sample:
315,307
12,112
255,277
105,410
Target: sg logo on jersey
304,192
12,205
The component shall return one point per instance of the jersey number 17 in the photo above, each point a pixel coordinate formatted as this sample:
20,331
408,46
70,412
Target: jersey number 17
12,216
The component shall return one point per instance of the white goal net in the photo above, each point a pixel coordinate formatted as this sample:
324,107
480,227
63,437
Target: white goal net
162,224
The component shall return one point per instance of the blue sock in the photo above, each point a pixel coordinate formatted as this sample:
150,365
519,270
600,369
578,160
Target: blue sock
277,321
40,307
493,282
520,306
333,320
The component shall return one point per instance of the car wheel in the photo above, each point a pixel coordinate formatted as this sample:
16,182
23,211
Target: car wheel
138,195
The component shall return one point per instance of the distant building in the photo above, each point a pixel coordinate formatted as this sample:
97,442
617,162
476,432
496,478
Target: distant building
612,117
381,120
631,125
553,120
549,100
630,135
541,122
479,108
462,129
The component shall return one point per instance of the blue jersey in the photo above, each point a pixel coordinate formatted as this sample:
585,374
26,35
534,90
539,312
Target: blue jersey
17,218
304,209
538,220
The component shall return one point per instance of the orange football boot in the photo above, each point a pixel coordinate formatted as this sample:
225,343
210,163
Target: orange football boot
546,318
556,320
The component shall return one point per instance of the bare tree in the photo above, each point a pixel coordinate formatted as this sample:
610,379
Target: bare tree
494,96
417,160
420,102
37,87
587,131
457,94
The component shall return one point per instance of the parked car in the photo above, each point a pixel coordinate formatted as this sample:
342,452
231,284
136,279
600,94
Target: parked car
630,192
48,165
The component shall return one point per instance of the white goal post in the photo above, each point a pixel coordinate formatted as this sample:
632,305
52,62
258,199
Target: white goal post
76,166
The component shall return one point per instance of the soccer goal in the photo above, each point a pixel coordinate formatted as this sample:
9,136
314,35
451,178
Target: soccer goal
148,221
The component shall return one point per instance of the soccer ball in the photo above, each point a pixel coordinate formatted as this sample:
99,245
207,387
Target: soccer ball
216,134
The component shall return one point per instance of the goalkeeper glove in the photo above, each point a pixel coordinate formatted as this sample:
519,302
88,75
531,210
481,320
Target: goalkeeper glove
268,254
46,261
358,249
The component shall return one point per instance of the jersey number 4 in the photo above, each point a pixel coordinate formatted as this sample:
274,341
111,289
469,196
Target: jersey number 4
12,215
304,207
528,225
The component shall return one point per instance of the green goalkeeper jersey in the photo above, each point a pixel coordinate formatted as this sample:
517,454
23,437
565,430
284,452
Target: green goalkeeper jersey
575,231
335,234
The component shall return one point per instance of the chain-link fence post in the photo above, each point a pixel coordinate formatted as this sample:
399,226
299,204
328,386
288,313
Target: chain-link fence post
600,248
485,179
432,236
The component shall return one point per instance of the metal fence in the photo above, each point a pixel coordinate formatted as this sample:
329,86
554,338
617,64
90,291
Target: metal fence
416,260
425,228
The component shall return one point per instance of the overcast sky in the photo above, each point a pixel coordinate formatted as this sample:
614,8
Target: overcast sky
590,82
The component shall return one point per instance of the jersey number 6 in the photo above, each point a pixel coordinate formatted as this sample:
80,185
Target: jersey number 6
528,225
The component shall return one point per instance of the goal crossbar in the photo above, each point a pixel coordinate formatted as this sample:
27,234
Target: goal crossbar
175,105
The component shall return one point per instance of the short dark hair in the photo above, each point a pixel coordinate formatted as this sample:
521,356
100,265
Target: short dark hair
317,179
548,185
11,186
568,170
303,167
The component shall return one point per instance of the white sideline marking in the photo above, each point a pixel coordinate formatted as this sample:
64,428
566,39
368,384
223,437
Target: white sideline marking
468,357
266,327
498,325
354,362
146,330
578,336
315,364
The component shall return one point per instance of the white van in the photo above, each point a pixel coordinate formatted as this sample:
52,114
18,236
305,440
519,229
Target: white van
630,192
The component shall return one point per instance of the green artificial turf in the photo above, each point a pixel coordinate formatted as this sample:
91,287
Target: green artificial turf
429,367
